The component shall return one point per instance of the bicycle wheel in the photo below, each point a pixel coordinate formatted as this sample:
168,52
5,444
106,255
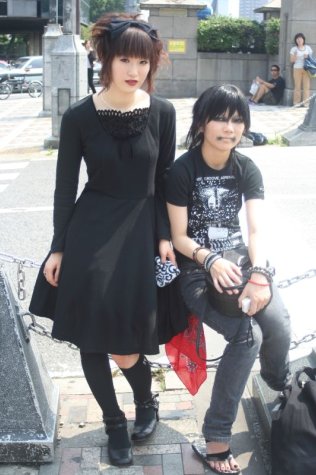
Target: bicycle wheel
35,89
5,91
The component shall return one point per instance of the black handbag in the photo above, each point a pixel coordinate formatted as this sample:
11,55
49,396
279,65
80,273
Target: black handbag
225,303
293,432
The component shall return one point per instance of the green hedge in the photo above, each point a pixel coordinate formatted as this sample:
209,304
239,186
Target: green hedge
272,30
226,34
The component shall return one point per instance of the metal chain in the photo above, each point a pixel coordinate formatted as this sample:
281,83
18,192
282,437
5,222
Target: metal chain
21,263
283,284
44,331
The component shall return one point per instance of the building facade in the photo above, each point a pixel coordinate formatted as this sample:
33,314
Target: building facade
227,8
22,24
247,7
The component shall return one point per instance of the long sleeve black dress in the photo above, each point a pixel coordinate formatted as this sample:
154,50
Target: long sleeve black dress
106,300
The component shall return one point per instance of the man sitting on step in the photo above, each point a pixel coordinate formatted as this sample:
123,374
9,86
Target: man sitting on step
270,92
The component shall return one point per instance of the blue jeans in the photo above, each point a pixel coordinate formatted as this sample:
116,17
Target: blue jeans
271,339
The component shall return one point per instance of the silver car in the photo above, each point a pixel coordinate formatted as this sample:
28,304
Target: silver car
29,66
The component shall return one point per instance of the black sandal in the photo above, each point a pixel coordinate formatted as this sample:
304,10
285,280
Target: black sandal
220,457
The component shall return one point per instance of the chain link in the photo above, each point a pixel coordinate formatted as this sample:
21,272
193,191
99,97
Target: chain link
283,284
21,263
41,330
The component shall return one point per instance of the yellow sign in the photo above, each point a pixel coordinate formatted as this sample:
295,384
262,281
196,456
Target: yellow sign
177,46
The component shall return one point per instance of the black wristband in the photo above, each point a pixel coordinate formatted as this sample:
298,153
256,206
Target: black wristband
209,260
268,272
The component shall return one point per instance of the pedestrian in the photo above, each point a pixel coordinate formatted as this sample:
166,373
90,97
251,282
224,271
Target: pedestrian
270,92
301,77
98,282
91,57
205,188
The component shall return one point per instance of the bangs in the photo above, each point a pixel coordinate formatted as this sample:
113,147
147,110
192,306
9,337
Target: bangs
135,43
228,103
214,102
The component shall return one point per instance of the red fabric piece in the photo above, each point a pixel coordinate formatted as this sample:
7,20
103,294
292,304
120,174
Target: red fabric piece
183,357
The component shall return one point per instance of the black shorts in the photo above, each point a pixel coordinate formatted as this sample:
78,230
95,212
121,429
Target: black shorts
269,99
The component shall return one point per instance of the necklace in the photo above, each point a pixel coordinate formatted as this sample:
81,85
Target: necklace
142,104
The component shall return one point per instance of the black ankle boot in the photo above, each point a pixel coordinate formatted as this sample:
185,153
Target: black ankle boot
119,446
146,418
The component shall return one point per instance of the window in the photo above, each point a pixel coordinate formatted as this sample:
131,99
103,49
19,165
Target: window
37,63
3,7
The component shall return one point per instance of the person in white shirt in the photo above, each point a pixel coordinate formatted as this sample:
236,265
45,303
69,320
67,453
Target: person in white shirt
297,55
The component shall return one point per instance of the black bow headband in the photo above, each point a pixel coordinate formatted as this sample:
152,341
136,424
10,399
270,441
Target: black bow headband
117,27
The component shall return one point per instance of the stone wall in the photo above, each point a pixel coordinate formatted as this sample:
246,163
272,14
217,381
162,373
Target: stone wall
230,68
189,72
176,79
177,25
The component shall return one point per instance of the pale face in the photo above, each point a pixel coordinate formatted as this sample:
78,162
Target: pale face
223,134
128,73
300,42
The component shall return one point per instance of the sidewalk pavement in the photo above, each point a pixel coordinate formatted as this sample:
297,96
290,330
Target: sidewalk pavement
81,446
23,131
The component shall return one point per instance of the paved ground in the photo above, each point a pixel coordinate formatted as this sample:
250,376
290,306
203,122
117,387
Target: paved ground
81,447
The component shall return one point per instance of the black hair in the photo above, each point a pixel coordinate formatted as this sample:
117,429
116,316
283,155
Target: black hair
132,42
299,35
276,66
212,103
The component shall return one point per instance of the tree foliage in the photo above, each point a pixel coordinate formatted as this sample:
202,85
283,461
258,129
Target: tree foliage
272,33
99,7
226,34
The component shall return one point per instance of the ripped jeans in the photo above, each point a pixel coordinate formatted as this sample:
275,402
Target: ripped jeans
271,339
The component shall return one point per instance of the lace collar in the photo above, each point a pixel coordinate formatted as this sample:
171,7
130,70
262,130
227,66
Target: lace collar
123,125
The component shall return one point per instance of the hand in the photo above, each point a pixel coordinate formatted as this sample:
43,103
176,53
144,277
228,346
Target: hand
52,268
166,251
259,298
225,274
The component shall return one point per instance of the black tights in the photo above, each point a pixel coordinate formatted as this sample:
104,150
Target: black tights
97,370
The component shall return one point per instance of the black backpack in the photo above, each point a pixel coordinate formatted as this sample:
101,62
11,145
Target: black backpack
293,434
257,138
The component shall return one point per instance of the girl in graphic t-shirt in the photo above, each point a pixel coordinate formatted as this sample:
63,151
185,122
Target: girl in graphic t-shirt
297,55
205,188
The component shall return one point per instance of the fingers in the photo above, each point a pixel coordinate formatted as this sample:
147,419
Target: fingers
171,256
226,274
258,301
166,252
52,269
51,275
226,281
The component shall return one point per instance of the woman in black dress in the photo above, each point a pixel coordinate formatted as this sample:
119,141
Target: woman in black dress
100,286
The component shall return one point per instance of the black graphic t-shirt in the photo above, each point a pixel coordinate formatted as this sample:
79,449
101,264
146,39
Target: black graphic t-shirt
213,197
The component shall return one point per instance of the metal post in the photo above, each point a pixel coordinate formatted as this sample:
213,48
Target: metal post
305,134
52,32
69,69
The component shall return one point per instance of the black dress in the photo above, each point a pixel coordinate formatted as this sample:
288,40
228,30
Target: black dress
107,297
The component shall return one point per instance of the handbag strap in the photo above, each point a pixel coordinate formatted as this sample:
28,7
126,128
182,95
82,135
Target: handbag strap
310,372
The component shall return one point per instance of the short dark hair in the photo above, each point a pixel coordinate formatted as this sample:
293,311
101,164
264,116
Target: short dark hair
133,42
212,103
276,66
299,35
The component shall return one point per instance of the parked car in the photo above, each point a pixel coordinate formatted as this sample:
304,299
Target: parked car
29,66
4,70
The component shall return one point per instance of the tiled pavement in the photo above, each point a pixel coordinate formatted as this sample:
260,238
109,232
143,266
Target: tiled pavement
82,444
23,130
